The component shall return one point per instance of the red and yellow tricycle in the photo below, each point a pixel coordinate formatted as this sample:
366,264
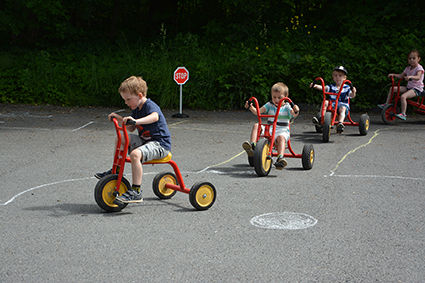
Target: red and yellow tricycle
329,114
265,146
202,195
392,108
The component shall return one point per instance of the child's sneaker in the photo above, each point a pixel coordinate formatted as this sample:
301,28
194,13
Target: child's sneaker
401,116
382,105
340,128
101,175
249,148
315,120
130,196
280,163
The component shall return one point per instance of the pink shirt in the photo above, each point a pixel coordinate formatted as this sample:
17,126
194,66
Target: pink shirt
419,85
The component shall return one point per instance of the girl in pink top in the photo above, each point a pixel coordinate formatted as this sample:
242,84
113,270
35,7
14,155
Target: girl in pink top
414,74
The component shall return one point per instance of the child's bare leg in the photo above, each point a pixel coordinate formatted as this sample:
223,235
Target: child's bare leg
389,95
134,194
249,146
281,144
254,133
341,116
408,94
136,166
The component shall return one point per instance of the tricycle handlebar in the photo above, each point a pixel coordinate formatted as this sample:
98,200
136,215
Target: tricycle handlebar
319,79
129,122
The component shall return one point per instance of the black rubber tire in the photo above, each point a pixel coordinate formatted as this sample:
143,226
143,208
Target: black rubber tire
308,156
202,195
158,185
388,114
104,192
364,124
262,164
327,126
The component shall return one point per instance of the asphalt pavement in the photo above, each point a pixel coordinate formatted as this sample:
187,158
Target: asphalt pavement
356,216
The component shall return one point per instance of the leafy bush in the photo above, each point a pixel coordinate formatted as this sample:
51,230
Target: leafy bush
222,73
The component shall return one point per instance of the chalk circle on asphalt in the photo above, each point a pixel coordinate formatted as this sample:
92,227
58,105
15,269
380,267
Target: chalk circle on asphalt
284,220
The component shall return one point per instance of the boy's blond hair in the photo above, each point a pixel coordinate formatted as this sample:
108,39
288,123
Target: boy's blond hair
134,85
280,87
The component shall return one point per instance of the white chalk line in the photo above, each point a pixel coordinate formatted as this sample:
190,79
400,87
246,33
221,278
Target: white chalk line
89,123
42,186
382,177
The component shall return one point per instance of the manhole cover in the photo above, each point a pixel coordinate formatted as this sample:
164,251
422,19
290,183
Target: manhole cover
284,220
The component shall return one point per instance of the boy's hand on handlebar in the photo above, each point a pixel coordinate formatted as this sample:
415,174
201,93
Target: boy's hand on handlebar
114,115
129,121
248,104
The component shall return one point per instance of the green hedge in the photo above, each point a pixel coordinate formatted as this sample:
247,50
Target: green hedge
222,73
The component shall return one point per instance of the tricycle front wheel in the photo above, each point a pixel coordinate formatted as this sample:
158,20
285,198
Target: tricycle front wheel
262,160
105,194
327,126
388,114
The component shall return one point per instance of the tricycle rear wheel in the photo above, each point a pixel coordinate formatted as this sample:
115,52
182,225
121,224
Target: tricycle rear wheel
105,194
262,160
202,195
308,156
159,182
364,124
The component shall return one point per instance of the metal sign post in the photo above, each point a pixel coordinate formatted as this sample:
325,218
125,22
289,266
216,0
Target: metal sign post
181,76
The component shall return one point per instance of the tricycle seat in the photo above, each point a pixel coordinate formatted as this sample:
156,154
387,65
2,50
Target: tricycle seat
162,160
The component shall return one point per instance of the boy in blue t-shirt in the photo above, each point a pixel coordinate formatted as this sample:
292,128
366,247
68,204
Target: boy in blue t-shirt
153,140
282,134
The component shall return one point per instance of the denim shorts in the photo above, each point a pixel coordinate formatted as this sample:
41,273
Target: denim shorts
417,92
150,149
339,107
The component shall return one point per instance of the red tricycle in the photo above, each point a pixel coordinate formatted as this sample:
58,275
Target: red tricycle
202,195
329,114
265,146
388,111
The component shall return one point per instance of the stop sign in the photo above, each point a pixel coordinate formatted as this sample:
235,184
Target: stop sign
181,75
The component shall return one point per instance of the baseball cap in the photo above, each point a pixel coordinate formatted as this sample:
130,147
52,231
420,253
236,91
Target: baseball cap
341,68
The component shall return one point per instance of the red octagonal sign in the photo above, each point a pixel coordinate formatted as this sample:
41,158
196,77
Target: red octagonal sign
181,75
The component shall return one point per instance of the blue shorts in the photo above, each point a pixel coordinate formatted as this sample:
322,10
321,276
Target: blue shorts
347,108
418,92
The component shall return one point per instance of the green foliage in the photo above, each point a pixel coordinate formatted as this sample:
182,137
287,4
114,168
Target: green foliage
57,53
